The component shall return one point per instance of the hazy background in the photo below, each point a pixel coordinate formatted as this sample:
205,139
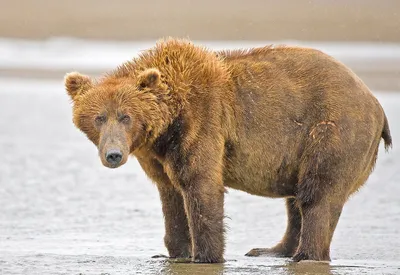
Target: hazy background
62,212
320,20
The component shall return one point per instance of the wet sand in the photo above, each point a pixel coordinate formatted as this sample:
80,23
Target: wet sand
62,212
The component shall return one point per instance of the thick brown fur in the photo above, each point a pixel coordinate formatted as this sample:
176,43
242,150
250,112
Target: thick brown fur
282,122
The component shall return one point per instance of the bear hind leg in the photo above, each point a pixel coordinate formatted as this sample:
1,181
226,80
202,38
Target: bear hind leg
324,183
290,241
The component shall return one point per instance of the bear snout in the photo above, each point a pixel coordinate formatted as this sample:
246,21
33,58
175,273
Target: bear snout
113,157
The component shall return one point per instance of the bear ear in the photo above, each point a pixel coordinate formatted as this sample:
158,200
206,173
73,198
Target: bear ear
149,78
76,84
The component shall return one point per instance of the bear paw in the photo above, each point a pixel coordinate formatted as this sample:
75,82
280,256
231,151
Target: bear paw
277,251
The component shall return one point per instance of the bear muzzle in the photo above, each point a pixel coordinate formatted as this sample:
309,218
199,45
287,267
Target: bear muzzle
113,157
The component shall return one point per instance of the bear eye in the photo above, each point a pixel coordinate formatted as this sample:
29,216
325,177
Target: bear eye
99,120
142,86
125,119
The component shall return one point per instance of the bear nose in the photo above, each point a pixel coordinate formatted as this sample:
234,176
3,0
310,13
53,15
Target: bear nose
114,157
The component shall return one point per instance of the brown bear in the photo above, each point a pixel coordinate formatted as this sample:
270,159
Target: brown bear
281,122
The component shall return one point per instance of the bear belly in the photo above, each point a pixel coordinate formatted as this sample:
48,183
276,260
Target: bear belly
261,186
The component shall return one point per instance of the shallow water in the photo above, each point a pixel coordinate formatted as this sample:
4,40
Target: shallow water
62,212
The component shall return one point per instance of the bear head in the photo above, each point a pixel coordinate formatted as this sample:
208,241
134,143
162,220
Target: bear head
119,114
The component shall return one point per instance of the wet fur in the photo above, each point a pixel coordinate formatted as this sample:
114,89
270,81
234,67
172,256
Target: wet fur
281,122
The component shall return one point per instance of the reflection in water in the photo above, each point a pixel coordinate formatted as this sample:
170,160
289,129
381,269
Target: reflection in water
309,268
191,268
167,267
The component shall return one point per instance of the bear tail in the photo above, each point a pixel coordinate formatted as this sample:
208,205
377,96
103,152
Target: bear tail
386,134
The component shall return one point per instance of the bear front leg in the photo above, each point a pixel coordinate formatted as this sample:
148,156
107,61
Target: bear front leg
204,206
198,174
177,236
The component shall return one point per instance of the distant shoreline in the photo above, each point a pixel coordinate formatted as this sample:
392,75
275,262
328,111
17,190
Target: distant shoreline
322,20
